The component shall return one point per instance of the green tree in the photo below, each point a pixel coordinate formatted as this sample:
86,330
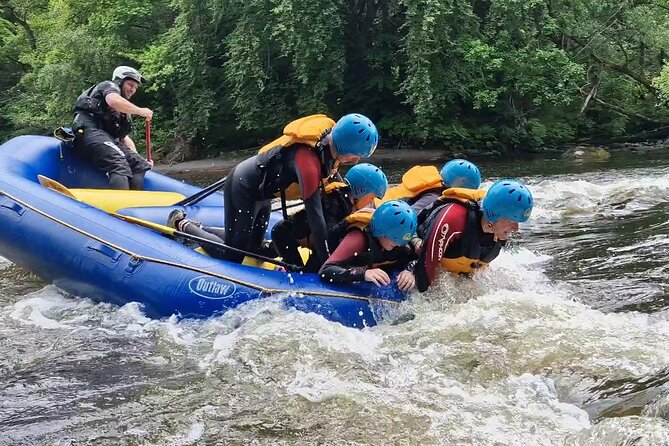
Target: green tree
228,74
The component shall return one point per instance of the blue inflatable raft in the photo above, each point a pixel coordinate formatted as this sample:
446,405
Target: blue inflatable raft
79,246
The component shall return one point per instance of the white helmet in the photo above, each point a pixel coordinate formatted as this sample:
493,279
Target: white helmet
124,72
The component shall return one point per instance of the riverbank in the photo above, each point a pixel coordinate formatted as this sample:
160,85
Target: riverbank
223,165
213,167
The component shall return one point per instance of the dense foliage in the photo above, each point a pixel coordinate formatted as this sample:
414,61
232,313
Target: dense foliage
228,74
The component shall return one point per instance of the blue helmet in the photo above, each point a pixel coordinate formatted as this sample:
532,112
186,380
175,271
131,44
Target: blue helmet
366,178
508,199
395,220
461,173
355,134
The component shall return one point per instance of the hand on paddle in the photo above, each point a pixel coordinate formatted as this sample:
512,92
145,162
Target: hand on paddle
145,113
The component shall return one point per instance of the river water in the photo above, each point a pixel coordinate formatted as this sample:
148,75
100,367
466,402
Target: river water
563,341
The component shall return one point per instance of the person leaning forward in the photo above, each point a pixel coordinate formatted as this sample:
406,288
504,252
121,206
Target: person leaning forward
294,166
102,124
462,235
422,185
376,243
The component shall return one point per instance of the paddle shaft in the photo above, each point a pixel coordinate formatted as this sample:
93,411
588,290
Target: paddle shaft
148,140
175,233
204,193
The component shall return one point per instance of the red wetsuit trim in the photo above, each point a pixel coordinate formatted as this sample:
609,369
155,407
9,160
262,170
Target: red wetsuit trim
340,267
447,227
353,245
308,169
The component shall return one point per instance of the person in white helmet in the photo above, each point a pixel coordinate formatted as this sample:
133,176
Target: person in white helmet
102,124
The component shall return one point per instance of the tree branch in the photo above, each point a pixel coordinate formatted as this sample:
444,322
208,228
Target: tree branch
591,95
10,14
643,80
627,113
623,69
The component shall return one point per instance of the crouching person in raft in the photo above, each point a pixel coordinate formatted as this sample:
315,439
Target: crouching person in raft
362,184
102,125
422,185
374,246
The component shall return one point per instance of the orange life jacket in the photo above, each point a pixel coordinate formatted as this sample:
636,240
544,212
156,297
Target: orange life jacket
332,186
309,131
360,219
463,195
415,181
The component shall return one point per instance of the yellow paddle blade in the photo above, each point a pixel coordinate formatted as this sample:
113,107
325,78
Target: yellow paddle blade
252,261
54,185
304,253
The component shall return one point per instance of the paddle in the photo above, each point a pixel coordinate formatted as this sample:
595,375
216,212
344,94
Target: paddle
204,193
175,233
56,186
148,141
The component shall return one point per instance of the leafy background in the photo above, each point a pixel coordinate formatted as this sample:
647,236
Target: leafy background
503,75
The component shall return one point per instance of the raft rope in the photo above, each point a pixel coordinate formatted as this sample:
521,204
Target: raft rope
136,256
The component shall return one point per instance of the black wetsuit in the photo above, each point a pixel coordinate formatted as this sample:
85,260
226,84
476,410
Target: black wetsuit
289,234
357,253
99,131
254,182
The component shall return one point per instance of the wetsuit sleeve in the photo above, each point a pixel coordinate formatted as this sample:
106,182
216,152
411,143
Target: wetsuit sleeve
338,268
308,169
444,229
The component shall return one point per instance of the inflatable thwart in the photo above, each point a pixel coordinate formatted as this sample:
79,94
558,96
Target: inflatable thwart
112,246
